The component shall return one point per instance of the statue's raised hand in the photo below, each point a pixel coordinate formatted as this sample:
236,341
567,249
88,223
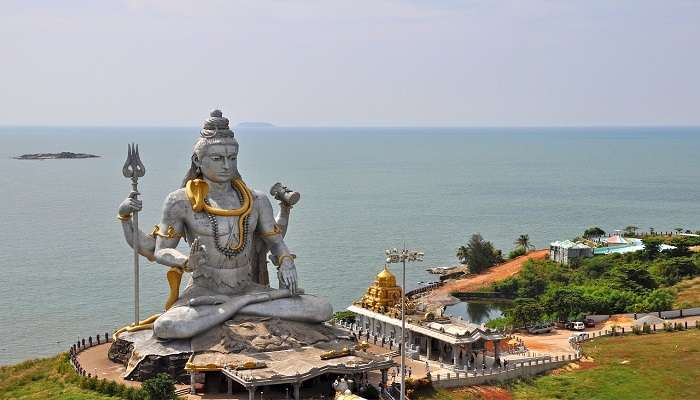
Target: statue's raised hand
130,205
198,255
287,274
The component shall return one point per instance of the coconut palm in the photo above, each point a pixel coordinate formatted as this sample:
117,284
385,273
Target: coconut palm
462,254
524,242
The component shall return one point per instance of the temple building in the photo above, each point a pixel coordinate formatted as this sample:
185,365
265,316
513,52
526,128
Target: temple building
429,334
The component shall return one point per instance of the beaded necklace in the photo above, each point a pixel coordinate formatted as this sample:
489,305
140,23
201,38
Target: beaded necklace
229,251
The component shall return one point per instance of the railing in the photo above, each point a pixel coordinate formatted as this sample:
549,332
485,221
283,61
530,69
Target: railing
82,345
424,289
502,373
379,340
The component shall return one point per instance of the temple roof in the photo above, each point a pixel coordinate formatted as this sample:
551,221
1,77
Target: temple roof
385,278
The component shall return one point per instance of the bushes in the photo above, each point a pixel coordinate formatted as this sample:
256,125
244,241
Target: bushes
347,316
517,252
162,387
657,300
111,388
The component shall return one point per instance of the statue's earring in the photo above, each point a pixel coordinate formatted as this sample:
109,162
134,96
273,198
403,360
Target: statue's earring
198,171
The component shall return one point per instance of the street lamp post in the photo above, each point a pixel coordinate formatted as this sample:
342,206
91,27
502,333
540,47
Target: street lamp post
394,256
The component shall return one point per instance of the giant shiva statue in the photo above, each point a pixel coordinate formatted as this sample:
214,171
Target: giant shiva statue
229,229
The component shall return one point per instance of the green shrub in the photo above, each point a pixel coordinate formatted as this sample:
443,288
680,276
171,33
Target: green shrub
517,252
347,316
668,327
636,330
678,326
162,387
88,383
646,328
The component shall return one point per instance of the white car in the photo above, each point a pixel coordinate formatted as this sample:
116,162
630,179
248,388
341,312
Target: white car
578,326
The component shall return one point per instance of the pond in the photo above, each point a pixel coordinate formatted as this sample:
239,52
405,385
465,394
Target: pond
477,312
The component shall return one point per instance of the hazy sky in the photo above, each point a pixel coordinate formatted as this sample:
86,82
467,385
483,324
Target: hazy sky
374,62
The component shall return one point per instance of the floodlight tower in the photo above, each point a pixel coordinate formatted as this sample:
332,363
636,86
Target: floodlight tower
394,256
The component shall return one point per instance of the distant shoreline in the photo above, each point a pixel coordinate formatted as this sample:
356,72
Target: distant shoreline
65,155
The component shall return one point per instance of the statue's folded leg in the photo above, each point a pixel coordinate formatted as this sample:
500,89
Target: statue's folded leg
185,321
303,308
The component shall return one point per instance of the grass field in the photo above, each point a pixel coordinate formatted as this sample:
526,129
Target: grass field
688,293
48,378
659,366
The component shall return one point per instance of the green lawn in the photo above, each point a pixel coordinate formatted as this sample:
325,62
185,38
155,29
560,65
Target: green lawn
48,378
659,366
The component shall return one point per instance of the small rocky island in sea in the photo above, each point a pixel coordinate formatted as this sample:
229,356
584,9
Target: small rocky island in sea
54,156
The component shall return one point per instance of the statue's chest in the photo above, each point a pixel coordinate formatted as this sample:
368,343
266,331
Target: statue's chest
204,224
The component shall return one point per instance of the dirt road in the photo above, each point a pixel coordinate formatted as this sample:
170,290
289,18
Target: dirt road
494,274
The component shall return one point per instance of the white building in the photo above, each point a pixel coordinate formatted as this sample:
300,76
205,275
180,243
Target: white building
564,251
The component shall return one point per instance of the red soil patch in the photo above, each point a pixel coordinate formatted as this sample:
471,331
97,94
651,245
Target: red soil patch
493,274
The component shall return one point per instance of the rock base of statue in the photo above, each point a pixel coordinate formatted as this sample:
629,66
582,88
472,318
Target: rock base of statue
145,355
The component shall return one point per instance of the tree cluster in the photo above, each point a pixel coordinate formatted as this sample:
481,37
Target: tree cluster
610,284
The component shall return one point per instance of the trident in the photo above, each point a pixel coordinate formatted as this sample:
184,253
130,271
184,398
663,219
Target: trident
134,169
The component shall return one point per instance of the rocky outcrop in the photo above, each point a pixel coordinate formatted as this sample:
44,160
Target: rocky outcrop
54,156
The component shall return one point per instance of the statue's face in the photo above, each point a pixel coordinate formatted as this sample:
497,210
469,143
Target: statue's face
219,162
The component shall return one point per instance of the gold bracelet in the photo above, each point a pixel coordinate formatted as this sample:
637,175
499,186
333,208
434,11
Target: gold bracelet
124,217
281,258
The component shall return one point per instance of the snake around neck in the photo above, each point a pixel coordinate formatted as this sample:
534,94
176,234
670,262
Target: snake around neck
197,190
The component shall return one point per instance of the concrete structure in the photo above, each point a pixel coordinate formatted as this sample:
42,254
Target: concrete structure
565,251
291,368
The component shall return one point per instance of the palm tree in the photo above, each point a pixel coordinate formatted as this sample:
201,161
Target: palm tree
524,241
462,254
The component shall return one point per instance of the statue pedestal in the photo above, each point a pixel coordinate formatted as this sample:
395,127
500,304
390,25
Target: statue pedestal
145,355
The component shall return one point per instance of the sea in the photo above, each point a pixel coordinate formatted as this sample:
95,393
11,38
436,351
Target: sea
66,271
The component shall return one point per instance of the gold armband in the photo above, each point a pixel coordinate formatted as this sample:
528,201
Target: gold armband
170,233
124,217
276,230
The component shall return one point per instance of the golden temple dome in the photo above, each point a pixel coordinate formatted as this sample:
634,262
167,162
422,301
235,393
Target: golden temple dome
385,278
383,294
